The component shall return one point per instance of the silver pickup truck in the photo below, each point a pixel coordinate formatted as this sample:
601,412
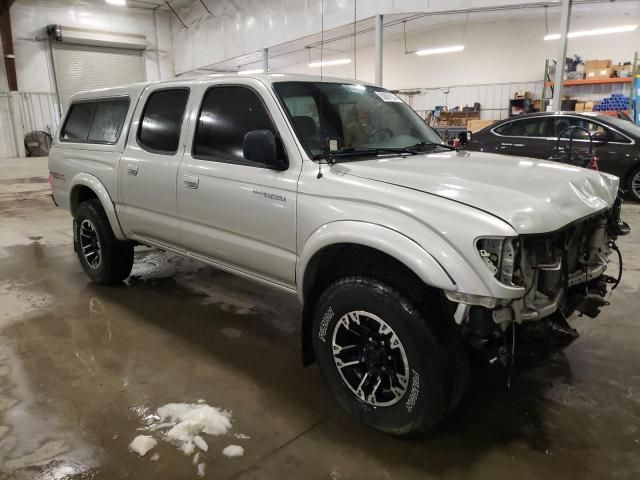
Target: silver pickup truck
405,253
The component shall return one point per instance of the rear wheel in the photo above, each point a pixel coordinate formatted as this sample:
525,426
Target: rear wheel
633,185
105,259
382,357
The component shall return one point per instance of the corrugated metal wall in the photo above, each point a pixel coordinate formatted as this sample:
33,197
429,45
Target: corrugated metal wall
39,112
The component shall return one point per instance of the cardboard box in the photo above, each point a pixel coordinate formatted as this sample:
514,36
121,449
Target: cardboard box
522,94
590,64
601,64
605,72
588,106
580,106
475,125
598,73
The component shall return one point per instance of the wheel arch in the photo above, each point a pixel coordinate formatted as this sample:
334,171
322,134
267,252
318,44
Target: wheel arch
85,187
354,247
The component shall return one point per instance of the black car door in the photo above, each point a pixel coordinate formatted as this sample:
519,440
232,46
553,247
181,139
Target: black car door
526,137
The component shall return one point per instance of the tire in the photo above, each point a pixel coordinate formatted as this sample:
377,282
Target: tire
429,390
112,259
633,185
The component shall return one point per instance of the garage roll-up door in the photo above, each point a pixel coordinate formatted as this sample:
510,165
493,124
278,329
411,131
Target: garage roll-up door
84,67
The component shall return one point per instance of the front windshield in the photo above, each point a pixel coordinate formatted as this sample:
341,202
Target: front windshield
352,119
626,126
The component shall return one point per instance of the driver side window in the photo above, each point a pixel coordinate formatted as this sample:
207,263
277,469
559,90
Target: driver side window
227,114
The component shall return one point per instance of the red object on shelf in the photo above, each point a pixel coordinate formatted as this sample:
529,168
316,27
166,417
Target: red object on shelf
592,81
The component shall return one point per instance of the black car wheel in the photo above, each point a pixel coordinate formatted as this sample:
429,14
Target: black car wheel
105,259
381,357
633,185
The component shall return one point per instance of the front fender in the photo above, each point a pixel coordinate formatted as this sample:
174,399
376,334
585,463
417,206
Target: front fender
381,238
96,186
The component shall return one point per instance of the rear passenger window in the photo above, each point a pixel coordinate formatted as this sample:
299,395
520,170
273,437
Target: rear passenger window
95,122
162,120
227,114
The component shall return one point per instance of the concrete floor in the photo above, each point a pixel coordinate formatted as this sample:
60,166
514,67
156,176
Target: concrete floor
82,365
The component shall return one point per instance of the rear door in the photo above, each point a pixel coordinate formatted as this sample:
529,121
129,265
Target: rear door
613,155
235,212
526,137
149,165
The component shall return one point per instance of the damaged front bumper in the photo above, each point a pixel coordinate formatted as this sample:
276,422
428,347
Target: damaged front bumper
560,273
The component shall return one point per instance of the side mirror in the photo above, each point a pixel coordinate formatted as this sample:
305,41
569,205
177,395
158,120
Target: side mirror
600,137
260,146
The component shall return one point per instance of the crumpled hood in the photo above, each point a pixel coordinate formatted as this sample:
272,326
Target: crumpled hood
533,196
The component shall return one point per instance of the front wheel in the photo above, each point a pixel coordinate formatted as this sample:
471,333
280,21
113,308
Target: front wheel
104,258
381,357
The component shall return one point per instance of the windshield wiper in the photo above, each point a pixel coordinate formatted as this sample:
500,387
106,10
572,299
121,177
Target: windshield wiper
432,144
357,151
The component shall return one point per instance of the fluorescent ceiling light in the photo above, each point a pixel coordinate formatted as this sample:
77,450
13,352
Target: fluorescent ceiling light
433,51
597,31
250,72
328,63
117,2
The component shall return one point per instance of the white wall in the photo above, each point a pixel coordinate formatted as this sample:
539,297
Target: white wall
35,106
29,17
499,58
237,27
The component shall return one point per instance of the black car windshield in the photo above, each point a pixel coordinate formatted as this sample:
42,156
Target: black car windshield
350,120
623,125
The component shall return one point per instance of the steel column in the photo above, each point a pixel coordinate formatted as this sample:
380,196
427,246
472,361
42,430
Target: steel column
378,50
562,54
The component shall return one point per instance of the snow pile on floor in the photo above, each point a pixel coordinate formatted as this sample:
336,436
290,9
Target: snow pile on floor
142,444
186,424
191,419
233,451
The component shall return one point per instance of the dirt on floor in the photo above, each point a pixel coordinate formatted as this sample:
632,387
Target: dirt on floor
83,369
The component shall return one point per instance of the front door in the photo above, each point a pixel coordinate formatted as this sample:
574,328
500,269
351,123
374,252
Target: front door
234,212
147,170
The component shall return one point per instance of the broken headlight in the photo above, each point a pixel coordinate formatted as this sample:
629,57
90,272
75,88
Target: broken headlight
499,255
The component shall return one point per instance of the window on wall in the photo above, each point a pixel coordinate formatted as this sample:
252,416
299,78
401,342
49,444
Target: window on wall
227,114
162,121
95,122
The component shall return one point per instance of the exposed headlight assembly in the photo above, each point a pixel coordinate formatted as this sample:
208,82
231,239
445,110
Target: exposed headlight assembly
499,255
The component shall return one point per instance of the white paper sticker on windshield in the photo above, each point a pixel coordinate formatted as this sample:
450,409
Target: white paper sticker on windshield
388,97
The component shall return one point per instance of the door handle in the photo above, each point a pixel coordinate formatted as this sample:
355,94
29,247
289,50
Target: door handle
191,181
132,169
505,144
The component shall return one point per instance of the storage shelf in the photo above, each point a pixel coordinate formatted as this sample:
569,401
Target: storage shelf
594,81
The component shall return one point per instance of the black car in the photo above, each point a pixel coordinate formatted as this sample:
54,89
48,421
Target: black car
616,141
